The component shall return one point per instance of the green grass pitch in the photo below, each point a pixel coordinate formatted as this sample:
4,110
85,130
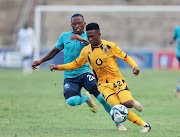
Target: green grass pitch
34,106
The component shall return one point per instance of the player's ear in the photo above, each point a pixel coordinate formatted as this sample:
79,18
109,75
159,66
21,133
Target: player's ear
84,23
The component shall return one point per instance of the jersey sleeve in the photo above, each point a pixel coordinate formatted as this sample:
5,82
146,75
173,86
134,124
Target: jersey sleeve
175,33
60,43
80,61
122,55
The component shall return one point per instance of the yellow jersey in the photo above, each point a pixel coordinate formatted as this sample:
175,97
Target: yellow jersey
102,60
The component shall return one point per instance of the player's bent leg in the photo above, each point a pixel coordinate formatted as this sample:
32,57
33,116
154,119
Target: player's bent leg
74,100
99,97
127,99
90,103
112,100
125,95
108,108
135,104
129,104
137,120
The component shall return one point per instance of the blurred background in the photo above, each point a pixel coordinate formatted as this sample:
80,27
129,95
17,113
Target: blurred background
143,35
34,105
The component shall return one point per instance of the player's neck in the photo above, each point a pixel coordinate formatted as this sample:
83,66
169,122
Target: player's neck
98,44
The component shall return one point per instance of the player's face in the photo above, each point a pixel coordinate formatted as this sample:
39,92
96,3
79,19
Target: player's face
94,37
78,24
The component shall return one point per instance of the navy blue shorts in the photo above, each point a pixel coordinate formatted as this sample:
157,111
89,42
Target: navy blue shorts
85,80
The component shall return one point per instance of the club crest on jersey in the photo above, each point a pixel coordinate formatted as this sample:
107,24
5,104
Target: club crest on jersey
99,62
105,50
66,86
82,43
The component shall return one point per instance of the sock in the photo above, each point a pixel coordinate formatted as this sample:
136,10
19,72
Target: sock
84,98
135,119
106,106
142,123
77,100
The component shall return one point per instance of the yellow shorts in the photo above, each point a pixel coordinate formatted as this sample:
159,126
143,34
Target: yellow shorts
115,93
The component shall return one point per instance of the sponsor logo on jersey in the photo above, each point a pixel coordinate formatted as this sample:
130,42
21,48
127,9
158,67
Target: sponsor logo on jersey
68,42
66,86
82,43
90,77
99,62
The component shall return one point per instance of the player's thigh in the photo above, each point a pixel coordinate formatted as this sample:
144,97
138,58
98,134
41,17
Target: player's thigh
122,91
71,88
89,84
109,95
125,96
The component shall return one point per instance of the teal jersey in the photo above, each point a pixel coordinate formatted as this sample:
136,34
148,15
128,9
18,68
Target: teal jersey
177,36
72,49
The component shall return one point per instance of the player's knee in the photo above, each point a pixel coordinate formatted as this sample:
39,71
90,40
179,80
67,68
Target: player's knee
94,91
129,104
73,101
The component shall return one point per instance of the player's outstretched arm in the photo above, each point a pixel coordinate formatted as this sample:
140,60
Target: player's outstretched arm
49,56
172,41
78,37
122,55
53,67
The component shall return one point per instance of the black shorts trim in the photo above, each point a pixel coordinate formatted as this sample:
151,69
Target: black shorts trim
123,89
109,96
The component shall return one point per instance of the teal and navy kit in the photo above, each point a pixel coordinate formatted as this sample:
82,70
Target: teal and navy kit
78,78
72,49
177,36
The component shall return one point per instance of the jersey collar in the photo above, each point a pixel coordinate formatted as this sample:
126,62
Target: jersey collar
81,33
98,46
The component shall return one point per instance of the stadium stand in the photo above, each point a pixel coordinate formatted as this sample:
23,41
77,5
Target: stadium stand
11,14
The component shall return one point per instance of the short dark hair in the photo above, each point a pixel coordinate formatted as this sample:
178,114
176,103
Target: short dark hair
77,15
92,26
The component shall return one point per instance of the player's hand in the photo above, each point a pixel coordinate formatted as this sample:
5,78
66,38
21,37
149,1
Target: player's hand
36,63
53,67
76,36
171,42
135,71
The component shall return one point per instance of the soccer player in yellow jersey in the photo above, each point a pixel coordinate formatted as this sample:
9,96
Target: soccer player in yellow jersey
112,85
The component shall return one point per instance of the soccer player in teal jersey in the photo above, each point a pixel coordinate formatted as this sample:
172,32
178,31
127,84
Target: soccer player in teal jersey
81,77
176,36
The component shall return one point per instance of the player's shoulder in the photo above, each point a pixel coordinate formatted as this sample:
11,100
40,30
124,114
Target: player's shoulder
177,27
86,48
110,44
